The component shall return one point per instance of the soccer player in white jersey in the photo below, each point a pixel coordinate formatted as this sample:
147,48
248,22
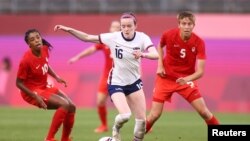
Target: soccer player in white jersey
124,83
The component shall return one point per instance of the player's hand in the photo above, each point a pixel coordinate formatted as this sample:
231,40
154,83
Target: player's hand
181,81
161,71
72,60
61,27
138,54
60,80
40,101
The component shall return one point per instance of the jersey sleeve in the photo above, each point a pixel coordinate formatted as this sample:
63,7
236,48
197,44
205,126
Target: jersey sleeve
147,42
105,38
201,53
22,72
163,39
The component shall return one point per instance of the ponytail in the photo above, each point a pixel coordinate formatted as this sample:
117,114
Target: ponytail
47,44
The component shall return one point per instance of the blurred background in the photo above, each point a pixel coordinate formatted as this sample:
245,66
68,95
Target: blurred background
223,24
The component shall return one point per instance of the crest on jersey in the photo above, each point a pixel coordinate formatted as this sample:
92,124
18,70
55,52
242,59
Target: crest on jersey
136,48
193,49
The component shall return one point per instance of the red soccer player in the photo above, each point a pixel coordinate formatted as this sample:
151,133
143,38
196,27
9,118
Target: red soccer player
102,93
31,79
176,71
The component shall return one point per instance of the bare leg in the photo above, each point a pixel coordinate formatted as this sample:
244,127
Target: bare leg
154,115
121,105
137,104
200,106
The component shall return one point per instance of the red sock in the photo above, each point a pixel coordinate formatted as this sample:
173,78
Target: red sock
102,112
148,126
67,126
57,120
212,121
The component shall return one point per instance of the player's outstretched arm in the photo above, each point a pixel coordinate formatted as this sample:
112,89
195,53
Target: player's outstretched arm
78,34
88,51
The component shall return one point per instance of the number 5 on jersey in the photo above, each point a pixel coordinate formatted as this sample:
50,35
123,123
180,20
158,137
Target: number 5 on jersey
183,53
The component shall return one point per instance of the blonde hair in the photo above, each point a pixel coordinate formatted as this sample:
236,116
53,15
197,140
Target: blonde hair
186,14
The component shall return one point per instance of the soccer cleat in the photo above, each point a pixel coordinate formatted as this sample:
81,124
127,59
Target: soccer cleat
116,135
101,129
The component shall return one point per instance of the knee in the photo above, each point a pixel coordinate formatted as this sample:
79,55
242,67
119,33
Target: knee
72,107
101,102
69,106
123,118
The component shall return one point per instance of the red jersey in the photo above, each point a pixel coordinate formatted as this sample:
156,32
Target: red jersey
181,56
108,59
33,70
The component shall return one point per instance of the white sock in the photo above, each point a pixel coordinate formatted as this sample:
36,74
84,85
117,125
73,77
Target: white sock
139,130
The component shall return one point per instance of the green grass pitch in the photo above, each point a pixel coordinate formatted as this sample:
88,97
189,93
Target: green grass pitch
31,124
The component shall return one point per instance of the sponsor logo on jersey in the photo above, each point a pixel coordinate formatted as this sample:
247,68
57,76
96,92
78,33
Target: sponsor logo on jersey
37,67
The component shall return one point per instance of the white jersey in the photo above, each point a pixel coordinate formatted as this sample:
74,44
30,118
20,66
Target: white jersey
126,69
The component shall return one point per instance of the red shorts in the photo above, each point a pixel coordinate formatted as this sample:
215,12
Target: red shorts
103,85
45,93
164,89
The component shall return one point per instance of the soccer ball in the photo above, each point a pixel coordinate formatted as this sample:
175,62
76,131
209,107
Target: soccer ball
105,139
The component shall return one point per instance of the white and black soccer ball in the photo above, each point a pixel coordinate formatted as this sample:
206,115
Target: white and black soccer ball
105,139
